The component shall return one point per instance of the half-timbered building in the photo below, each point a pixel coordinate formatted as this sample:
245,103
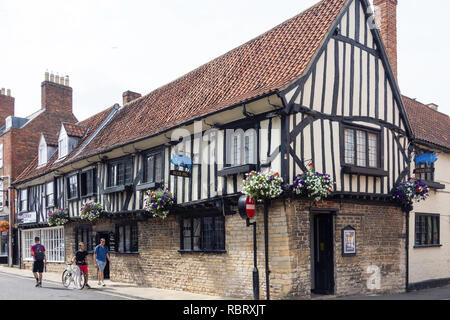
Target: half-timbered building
317,88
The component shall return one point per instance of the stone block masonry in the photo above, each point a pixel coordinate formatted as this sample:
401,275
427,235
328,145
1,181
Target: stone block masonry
159,264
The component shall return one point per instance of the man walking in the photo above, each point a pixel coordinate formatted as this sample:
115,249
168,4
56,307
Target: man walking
39,260
80,261
101,253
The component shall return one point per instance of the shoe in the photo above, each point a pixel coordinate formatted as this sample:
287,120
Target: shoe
40,284
99,283
87,286
37,284
103,284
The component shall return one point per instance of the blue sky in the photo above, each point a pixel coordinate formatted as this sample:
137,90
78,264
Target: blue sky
108,47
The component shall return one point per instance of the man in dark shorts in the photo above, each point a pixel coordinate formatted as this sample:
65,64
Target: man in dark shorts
80,260
39,260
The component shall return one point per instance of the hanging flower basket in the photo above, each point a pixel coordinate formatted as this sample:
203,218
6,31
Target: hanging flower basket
314,185
263,185
91,211
411,191
158,203
58,217
4,226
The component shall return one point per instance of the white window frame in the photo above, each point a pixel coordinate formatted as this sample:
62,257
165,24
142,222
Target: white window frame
1,194
42,155
1,155
51,238
22,193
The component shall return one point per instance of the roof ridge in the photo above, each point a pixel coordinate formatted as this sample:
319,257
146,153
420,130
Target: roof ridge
423,104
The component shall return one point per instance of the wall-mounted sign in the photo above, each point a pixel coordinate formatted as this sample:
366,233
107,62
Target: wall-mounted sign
428,158
27,217
180,173
181,161
247,207
348,242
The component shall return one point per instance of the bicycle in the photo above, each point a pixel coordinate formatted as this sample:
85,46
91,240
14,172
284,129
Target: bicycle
73,274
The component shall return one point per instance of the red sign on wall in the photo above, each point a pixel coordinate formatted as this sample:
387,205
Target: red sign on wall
250,207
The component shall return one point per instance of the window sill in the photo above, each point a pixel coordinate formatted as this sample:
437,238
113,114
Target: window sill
147,186
366,171
202,251
125,253
89,196
73,199
428,246
114,189
434,185
246,168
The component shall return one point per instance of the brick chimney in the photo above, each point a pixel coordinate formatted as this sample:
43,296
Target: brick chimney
129,96
56,94
388,28
6,105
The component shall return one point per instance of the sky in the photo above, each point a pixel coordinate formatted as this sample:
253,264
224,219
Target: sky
111,46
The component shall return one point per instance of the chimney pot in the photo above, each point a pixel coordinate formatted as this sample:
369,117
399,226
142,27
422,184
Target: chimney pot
3,91
52,77
8,92
47,76
67,81
129,96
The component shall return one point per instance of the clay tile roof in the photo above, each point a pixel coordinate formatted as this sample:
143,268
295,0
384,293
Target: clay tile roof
260,66
89,125
51,140
428,125
74,130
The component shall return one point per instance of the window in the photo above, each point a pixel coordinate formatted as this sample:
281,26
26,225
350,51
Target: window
127,238
203,234
242,147
427,230
73,187
426,176
63,146
3,244
1,155
42,159
361,148
84,234
88,183
23,200
120,173
153,167
50,194
1,194
52,239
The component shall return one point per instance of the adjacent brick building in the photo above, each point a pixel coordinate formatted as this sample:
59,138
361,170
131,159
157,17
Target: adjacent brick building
19,138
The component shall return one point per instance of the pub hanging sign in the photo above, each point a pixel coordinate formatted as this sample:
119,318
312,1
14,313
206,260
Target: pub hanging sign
181,161
348,241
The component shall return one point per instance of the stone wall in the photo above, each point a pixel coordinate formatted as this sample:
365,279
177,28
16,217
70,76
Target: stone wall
159,263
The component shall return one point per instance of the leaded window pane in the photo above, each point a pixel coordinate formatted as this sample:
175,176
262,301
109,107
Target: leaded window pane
373,150
361,147
349,146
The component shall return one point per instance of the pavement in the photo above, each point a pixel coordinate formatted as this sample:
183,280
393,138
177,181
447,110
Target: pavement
117,289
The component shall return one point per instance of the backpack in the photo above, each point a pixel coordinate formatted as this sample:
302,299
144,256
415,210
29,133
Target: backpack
39,253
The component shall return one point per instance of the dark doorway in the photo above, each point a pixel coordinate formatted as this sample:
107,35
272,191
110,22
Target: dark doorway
104,235
323,254
15,247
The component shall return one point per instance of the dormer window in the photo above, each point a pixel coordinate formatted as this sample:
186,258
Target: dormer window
42,154
69,138
47,148
63,146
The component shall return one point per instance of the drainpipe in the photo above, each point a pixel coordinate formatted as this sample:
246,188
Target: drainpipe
408,211
266,246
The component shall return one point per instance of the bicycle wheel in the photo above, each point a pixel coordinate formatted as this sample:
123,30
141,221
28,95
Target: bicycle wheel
80,280
66,278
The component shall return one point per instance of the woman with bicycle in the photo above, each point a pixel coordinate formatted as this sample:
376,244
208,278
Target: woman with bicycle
80,260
